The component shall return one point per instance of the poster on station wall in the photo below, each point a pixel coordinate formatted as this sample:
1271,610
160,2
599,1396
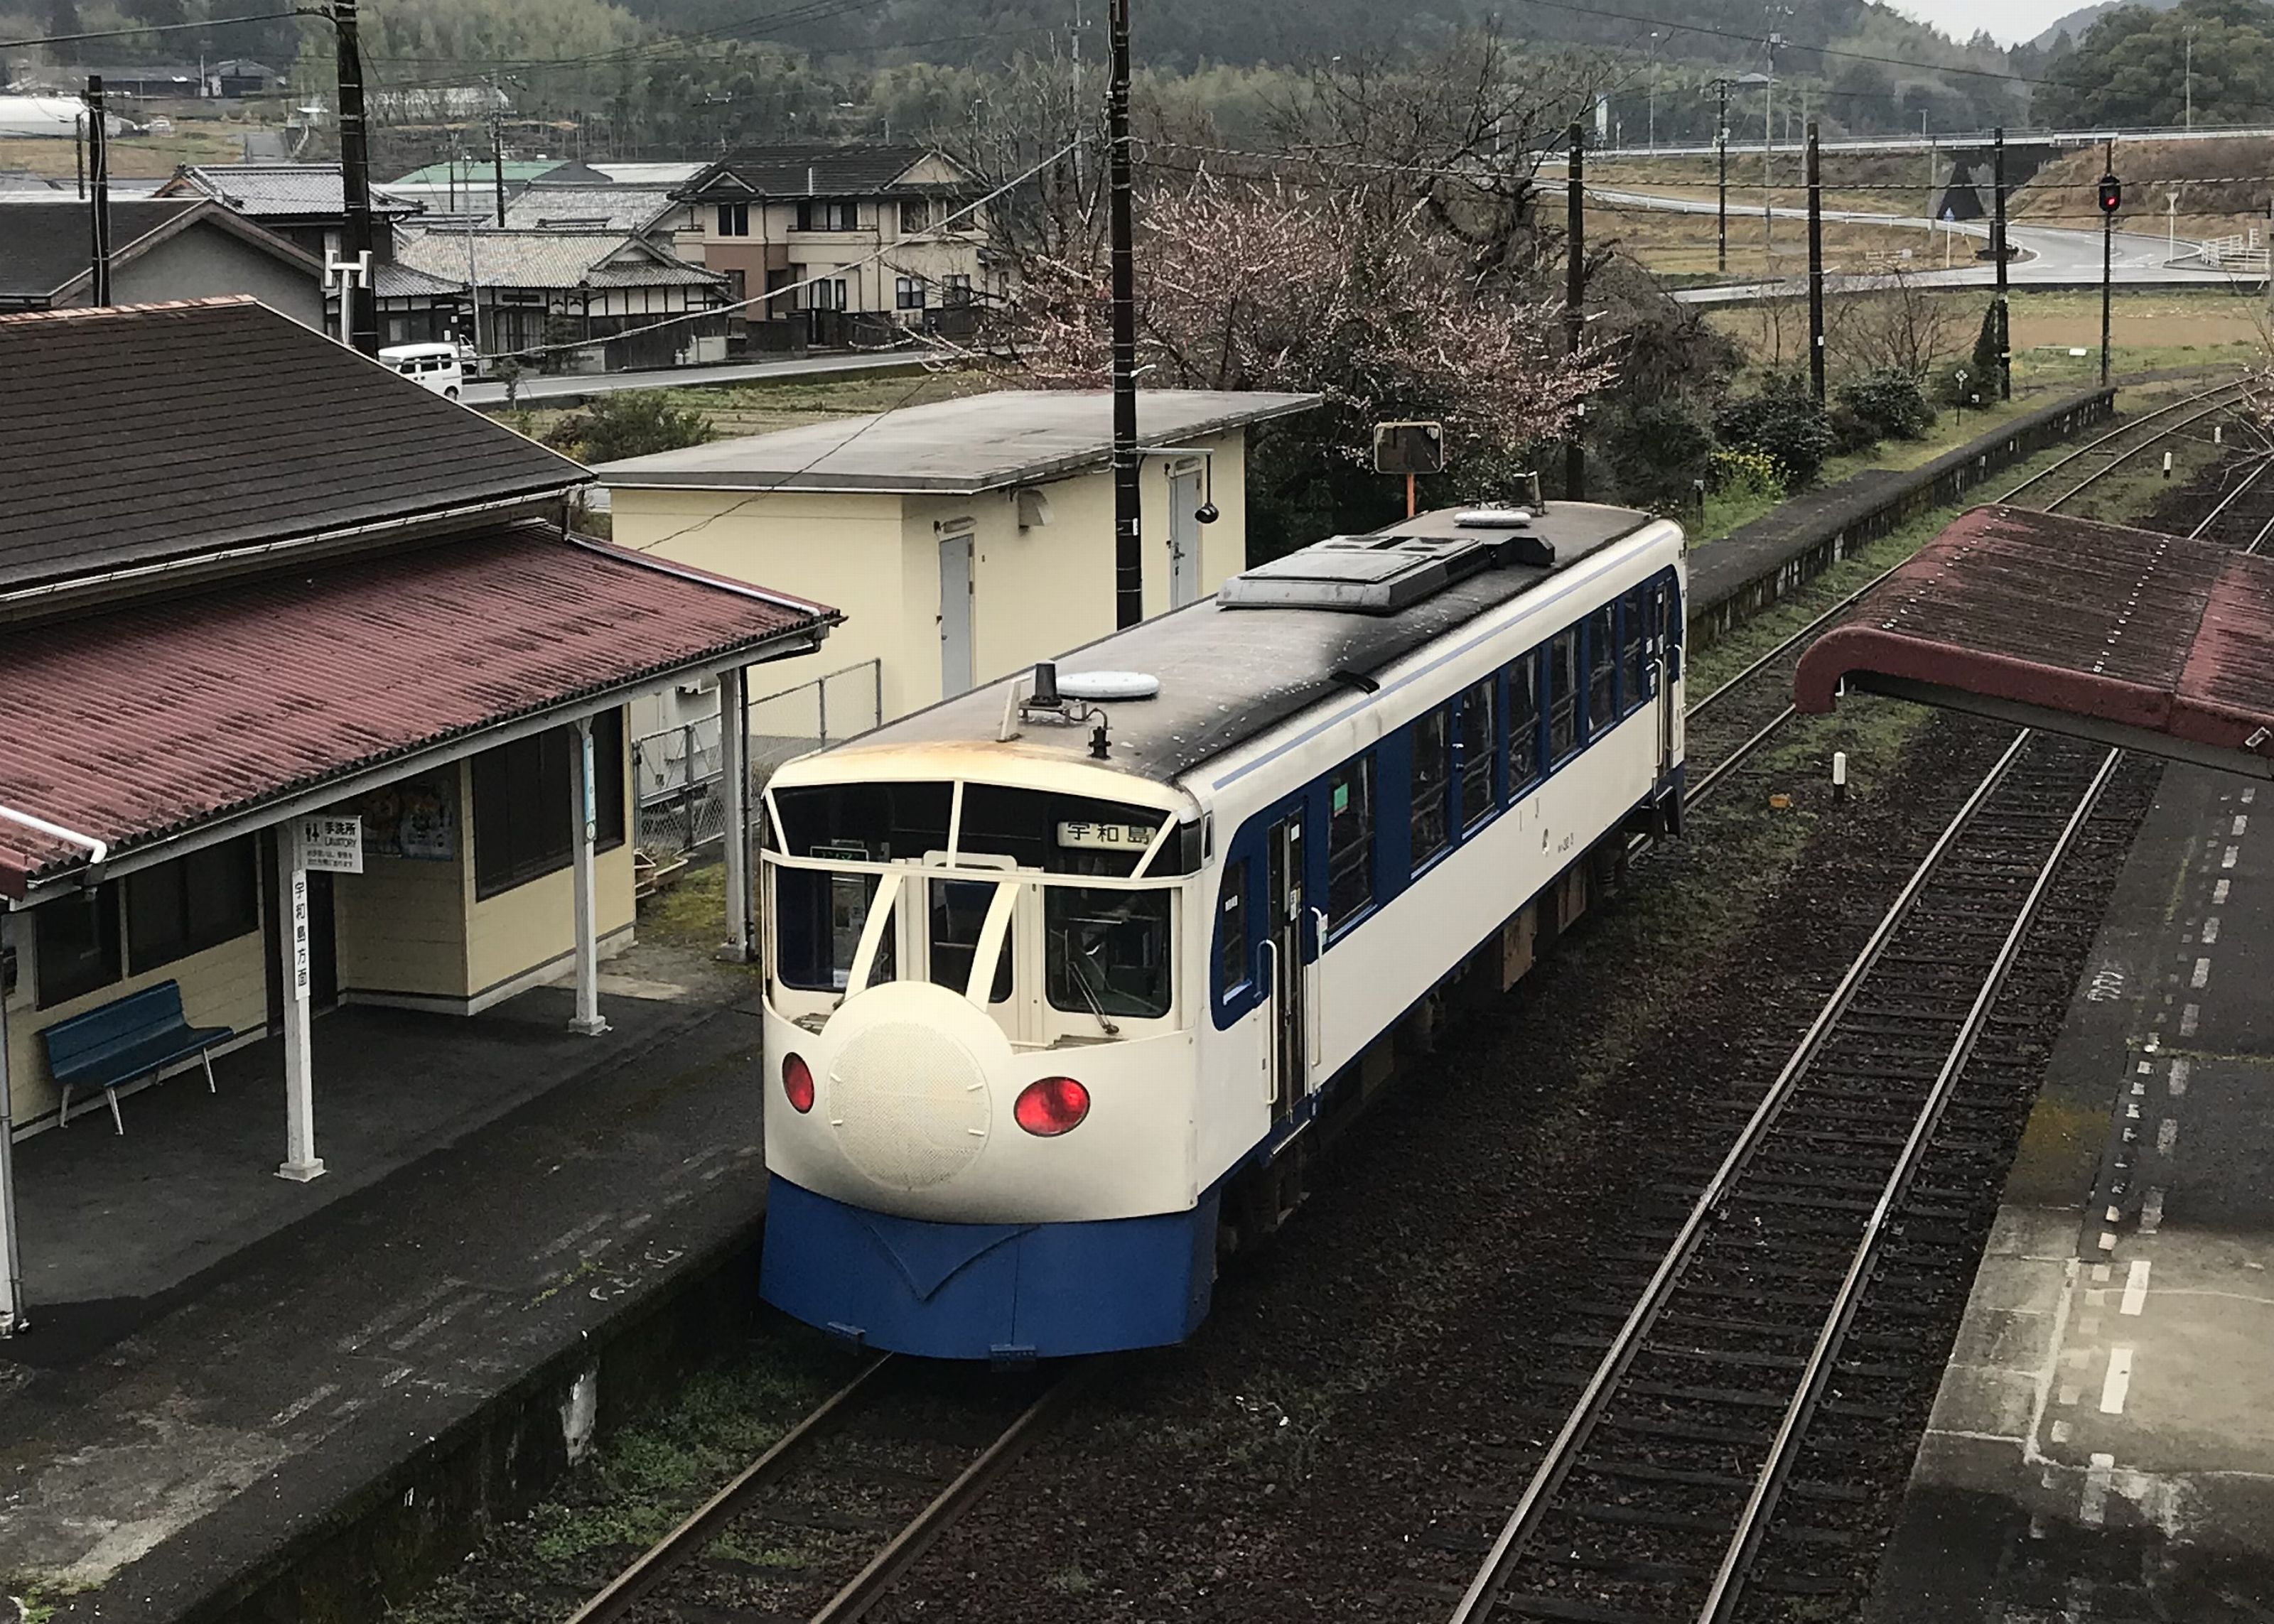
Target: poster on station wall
416,818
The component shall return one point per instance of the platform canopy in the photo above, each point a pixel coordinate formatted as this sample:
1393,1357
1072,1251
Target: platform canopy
184,720
2155,643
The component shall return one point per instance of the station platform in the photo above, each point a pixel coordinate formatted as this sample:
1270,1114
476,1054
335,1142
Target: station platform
2101,1446
223,1365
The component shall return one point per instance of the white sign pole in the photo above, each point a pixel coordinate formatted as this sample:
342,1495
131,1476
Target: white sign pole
11,1269
301,1163
585,808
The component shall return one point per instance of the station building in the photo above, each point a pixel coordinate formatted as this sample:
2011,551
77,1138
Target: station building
311,698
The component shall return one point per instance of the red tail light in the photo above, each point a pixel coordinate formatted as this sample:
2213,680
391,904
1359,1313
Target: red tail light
797,1084
1053,1106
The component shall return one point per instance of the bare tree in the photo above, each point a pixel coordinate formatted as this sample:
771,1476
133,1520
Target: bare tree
1902,327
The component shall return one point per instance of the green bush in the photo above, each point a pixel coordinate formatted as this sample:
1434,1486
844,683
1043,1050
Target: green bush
1734,473
1784,423
1889,402
632,423
1658,449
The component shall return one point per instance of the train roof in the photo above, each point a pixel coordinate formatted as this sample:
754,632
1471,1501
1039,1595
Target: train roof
1228,674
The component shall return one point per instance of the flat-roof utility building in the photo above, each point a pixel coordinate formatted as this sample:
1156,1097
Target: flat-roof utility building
964,538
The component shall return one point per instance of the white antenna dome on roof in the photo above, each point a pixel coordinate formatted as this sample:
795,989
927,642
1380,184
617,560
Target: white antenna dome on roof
1099,685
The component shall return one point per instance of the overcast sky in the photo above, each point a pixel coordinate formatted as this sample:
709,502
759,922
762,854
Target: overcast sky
2008,20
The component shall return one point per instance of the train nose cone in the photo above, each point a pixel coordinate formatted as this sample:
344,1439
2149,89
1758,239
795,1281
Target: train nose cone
908,1098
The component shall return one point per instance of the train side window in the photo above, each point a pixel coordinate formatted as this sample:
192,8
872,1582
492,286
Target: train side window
1563,694
1632,626
1349,841
1523,722
1232,957
1603,671
1431,778
1477,740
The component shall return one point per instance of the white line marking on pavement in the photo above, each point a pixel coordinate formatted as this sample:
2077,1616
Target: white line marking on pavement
2092,1509
2180,1072
440,1317
2218,891
2167,1134
2188,1017
2135,1287
2145,1068
2151,1211
2094,1299
2241,823
2249,794
2100,1273
2227,861
2089,1325
2118,1381
2069,1393
2210,930
2061,1435
2107,1241
302,1405
2201,977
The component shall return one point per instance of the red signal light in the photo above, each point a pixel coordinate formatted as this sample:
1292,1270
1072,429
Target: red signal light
1053,1106
797,1084
2112,194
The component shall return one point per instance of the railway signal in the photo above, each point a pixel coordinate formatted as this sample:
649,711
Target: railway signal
2112,199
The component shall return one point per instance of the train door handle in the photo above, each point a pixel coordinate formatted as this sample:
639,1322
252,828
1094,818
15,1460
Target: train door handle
1313,1019
1271,1023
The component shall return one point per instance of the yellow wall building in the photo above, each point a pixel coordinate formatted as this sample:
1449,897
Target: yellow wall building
962,540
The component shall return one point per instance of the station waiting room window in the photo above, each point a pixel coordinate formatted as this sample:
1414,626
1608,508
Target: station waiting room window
75,944
192,904
522,826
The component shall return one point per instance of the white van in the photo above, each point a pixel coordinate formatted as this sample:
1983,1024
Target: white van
438,367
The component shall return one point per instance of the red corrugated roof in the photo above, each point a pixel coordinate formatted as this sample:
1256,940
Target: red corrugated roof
2097,621
134,724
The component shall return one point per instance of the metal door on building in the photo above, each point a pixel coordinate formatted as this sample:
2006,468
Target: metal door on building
1184,534
954,614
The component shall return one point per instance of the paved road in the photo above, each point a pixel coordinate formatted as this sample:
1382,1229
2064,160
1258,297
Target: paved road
2050,256
692,377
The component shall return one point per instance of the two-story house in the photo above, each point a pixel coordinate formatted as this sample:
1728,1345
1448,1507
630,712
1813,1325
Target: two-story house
856,243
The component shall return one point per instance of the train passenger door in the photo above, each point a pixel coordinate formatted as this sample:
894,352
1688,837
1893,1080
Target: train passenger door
1284,909
1665,658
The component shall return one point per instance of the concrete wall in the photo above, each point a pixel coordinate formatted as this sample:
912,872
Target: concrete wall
206,260
842,550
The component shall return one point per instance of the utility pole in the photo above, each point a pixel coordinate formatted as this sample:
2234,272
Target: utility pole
1654,37
1721,157
359,305
98,148
2112,199
1575,295
1998,253
2190,76
1128,543
497,156
1815,262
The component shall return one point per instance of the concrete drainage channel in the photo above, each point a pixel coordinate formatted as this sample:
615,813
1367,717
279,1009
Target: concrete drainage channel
382,1541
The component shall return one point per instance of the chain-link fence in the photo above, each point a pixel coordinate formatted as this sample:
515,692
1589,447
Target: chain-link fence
677,770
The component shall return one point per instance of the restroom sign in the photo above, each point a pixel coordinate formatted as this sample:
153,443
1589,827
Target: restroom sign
331,845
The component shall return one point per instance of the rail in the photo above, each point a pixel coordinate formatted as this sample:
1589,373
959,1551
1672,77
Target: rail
793,1452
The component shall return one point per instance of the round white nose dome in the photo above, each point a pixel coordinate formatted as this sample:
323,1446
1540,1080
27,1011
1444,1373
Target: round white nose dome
909,1104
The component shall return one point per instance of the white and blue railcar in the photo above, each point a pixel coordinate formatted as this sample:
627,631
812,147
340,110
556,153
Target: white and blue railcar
1055,993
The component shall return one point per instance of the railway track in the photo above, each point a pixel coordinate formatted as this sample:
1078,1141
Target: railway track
1706,1453
1710,1465
842,1503
1730,726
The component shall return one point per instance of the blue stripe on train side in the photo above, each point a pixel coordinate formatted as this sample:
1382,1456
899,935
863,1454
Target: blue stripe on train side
986,1291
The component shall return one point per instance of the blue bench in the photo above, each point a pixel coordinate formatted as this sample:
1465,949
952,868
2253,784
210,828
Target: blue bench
125,1040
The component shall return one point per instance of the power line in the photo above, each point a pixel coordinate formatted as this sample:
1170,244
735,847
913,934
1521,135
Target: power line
128,34
1753,39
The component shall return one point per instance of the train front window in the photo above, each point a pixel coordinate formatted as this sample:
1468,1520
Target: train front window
818,921
959,914
1106,952
864,822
